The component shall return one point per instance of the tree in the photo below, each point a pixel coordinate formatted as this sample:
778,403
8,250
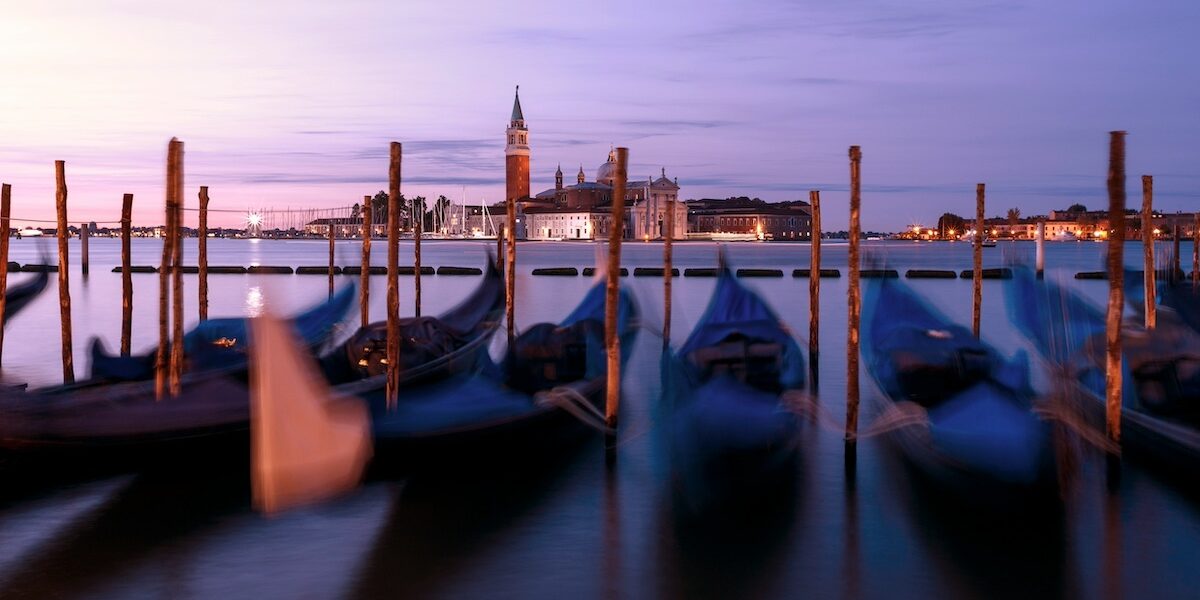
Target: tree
950,226
1014,216
355,211
1077,208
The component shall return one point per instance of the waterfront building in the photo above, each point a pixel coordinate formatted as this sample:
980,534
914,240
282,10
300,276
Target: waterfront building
745,218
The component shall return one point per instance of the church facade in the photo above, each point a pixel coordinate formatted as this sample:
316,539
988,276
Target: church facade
583,210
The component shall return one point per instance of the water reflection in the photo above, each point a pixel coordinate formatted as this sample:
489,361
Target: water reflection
255,302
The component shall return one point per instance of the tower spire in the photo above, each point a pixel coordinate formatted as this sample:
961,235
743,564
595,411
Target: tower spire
517,115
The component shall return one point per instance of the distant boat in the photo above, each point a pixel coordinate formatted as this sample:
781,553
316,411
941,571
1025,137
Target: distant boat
29,232
1065,236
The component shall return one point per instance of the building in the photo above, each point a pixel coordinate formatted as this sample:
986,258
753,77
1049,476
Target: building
343,227
583,210
745,218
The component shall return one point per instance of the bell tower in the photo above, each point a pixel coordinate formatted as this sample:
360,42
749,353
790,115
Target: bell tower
516,154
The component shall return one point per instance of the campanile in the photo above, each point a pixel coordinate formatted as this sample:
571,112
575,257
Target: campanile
516,154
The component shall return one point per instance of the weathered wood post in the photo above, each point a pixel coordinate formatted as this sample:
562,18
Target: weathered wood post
668,236
1040,264
332,236
854,302
175,203
393,284
84,232
64,281
1151,306
1196,249
5,227
510,269
162,356
814,287
202,253
977,262
499,248
1116,281
418,229
364,275
612,301
126,278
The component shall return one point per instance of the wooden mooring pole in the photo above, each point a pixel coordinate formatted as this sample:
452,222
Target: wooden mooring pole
84,232
853,301
332,236
64,281
1175,260
1041,250
1116,277
393,283
202,253
1151,306
510,269
977,260
5,227
126,278
612,300
175,205
364,276
814,288
668,236
418,229
1196,250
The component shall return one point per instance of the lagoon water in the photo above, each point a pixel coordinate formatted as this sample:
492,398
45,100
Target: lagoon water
572,527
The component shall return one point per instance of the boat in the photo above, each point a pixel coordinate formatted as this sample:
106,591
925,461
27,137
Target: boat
18,296
219,344
122,424
1160,404
963,415
732,435
29,232
543,396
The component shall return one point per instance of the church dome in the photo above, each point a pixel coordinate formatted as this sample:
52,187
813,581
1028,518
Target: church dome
608,171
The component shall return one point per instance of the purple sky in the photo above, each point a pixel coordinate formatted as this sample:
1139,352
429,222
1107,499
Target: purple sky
294,103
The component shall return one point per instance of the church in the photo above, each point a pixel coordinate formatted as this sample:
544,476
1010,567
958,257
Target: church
583,211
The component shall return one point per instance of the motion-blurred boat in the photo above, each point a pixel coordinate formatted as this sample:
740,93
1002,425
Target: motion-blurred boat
964,414
1160,405
732,435
540,396
122,424
18,296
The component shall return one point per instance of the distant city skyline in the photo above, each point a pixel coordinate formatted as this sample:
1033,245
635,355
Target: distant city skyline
293,103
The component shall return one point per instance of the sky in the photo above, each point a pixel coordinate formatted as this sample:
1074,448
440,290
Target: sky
293,104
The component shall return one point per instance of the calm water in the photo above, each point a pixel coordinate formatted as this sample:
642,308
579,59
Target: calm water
572,527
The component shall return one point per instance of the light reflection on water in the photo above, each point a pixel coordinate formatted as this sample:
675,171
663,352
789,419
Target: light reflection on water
567,526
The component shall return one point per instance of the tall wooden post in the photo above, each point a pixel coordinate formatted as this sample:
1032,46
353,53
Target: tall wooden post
418,229
510,269
1116,281
393,284
175,204
854,299
1196,249
5,232
668,236
814,287
84,232
332,236
499,248
1041,249
126,278
202,253
64,281
612,299
977,272
1151,306
364,275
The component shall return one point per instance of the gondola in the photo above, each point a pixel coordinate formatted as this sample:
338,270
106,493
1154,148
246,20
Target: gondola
540,396
1174,293
18,296
123,423
965,418
1160,406
220,344
732,436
